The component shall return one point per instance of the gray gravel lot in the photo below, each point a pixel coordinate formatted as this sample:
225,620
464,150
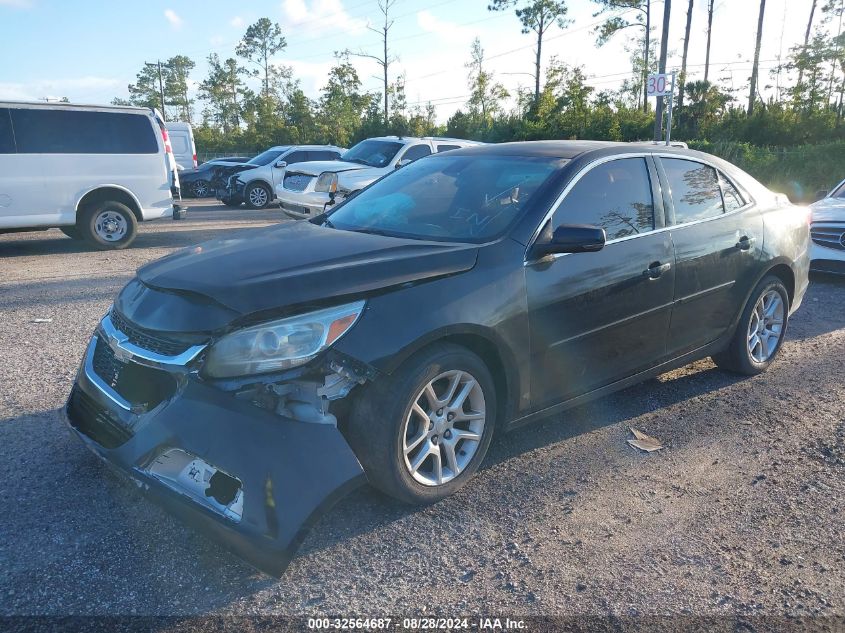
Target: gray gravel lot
741,514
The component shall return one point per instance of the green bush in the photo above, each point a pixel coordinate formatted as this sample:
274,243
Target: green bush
797,171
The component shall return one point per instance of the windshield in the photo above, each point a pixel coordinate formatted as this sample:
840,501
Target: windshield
448,198
372,153
839,192
265,158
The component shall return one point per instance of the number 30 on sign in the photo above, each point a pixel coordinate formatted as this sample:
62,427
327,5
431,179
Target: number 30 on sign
659,85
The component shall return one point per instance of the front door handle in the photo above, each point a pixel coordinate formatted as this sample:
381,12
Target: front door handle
745,243
656,269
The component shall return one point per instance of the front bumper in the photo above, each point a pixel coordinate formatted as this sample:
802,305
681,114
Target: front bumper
302,204
288,472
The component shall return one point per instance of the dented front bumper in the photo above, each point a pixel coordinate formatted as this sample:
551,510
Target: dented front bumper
251,478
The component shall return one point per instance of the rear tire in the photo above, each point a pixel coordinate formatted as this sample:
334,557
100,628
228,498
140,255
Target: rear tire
397,424
108,225
760,331
257,196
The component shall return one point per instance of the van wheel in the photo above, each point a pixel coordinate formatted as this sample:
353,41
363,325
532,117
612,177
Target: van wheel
108,225
422,432
71,231
257,196
760,331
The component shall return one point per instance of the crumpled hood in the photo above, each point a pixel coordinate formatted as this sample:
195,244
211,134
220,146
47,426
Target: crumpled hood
829,210
268,269
317,167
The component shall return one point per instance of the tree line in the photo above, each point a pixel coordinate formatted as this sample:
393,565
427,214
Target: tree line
804,106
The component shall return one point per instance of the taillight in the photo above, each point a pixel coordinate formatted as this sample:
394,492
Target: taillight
195,161
166,139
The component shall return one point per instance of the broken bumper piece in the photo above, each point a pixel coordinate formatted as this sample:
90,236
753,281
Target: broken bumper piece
254,480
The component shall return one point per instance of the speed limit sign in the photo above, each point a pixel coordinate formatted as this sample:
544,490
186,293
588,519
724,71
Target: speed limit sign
660,84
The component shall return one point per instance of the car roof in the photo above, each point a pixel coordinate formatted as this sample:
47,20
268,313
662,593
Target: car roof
407,139
53,105
571,149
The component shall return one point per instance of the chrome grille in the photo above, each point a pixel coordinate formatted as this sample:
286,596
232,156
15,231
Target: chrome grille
829,236
296,182
147,340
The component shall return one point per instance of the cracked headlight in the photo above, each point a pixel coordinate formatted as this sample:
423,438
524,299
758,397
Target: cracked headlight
281,344
326,183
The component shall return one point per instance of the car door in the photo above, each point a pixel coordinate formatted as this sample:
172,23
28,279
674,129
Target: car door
414,152
598,317
291,158
717,233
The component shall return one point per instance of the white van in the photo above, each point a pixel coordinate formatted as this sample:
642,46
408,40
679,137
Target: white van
92,171
182,142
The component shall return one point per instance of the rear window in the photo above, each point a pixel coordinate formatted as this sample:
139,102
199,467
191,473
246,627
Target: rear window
42,131
179,144
7,140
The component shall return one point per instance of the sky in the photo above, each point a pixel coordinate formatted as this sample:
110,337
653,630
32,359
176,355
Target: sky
89,51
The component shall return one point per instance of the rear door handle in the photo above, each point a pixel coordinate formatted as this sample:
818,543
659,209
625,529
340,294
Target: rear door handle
745,243
656,269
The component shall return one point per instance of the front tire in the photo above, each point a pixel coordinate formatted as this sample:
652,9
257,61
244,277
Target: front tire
422,432
760,332
108,225
257,196
201,189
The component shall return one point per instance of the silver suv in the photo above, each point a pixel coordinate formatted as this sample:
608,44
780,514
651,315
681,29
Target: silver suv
308,187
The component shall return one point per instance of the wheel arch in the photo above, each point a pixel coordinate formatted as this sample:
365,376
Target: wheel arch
485,344
102,193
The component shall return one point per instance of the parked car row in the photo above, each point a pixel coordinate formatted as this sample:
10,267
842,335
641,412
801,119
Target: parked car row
308,188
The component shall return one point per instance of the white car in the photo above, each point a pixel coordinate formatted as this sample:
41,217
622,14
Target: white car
827,231
307,188
255,181
95,172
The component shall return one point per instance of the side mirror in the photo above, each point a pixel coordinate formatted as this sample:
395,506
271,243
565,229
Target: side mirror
281,164
403,162
569,238
821,193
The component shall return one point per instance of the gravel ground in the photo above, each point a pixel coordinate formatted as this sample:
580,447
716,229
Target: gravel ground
741,514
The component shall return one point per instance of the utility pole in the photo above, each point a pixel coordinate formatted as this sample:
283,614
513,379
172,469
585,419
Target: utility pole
658,120
160,87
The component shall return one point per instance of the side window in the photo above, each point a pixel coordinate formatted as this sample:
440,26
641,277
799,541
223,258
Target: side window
7,139
295,157
733,199
68,131
615,196
415,152
323,155
695,190
446,148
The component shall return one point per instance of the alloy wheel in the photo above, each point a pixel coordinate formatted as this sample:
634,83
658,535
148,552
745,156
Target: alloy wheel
258,196
201,189
443,429
765,327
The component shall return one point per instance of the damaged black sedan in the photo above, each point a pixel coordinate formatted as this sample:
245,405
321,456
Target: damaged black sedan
248,382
